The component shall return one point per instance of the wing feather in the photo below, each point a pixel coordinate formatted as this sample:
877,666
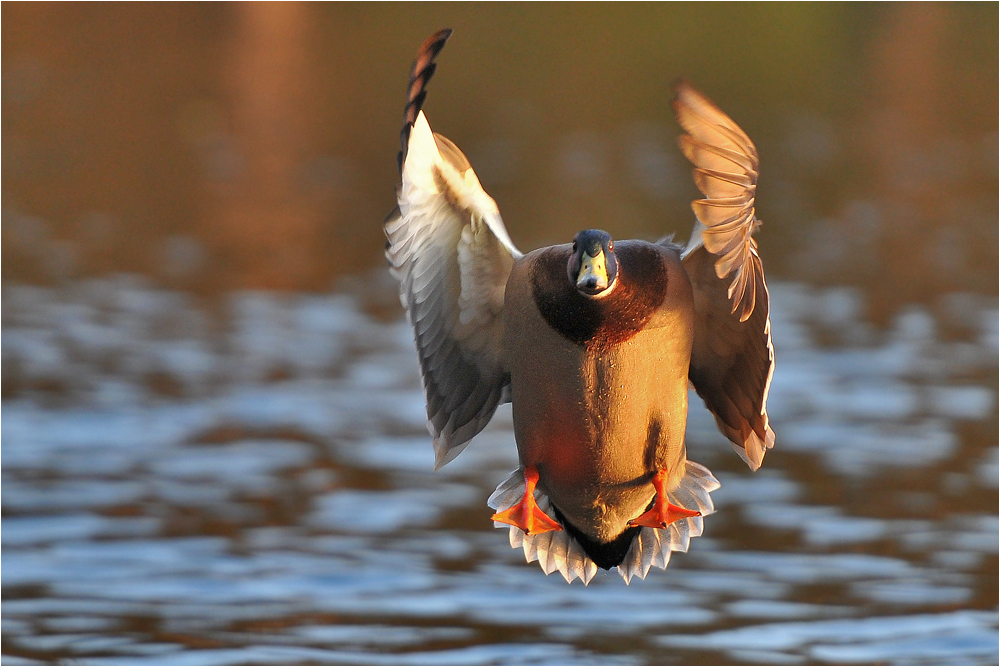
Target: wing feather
726,164
732,359
449,249
720,184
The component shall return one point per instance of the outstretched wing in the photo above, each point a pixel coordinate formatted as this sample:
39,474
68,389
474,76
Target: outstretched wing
732,360
452,255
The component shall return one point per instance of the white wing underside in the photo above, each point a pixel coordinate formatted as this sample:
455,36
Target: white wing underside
452,255
558,551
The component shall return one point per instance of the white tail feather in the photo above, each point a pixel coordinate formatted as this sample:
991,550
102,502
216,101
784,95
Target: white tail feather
558,550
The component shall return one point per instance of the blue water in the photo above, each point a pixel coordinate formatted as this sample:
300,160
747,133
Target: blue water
249,480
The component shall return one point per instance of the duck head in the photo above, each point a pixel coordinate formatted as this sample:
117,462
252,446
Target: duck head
593,266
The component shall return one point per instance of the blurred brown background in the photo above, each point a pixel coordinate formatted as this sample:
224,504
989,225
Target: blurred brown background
215,146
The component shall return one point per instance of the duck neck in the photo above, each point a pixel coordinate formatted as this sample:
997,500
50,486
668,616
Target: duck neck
640,289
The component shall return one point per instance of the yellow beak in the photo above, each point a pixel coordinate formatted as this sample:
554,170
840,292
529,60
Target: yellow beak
593,272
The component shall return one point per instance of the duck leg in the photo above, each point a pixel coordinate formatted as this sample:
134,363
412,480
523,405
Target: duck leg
663,512
526,514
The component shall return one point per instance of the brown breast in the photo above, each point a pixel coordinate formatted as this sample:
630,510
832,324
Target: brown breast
599,386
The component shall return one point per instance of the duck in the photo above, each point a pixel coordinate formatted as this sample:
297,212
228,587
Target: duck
594,342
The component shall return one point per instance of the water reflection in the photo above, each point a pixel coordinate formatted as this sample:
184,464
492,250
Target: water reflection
249,480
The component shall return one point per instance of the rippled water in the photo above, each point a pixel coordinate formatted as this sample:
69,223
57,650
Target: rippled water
249,480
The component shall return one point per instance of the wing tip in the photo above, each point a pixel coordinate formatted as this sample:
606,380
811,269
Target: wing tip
685,93
420,74
444,452
753,449
680,85
433,44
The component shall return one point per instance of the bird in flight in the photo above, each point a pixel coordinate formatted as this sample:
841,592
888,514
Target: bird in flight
593,342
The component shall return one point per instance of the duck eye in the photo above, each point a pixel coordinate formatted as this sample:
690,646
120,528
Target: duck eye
611,246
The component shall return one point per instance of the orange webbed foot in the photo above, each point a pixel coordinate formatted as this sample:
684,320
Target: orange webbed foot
526,514
663,512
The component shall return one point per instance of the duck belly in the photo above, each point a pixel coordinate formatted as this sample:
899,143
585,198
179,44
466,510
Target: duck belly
598,421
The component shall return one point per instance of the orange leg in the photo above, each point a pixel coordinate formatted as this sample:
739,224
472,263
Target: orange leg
526,515
663,512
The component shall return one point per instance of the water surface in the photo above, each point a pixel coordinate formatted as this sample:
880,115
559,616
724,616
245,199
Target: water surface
249,480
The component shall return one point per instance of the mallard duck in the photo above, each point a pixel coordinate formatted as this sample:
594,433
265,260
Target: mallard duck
593,342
